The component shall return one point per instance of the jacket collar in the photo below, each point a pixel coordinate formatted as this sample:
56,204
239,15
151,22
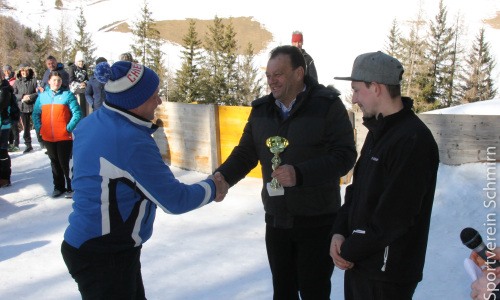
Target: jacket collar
138,120
378,126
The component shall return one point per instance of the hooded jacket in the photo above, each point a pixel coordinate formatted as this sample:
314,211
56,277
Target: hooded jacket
55,115
94,93
26,86
387,210
321,149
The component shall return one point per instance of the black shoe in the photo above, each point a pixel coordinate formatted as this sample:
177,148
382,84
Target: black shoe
56,193
28,149
69,194
4,183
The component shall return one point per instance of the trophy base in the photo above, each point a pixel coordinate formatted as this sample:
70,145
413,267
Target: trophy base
272,192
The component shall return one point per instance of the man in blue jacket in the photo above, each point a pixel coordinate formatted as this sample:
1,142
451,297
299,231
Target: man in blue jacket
119,179
53,65
94,93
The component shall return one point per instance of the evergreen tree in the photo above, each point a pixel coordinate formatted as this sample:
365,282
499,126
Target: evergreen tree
230,66
441,55
83,41
393,45
213,79
250,86
186,80
59,4
145,34
478,83
41,47
63,42
451,86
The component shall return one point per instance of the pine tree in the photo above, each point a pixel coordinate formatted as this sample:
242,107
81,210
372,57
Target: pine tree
230,65
41,47
186,80
144,32
478,82
59,4
83,41
441,54
393,45
213,79
451,86
250,86
63,42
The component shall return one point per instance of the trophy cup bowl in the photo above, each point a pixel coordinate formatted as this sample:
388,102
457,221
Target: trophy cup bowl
276,145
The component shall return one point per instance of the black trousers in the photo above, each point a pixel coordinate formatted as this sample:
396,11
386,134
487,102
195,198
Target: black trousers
26,119
105,276
5,164
359,287
300,262
14,135
60,154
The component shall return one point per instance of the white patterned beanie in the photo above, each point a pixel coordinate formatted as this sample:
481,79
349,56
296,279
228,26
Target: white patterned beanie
127,85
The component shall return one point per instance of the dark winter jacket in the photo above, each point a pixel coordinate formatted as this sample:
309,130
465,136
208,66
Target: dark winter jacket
310,67
77,75
26,86
387,210
94,93
321,149
64,74
9,111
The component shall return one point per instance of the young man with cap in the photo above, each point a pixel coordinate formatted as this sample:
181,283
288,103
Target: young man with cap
320,150
119,179
381,231
297,41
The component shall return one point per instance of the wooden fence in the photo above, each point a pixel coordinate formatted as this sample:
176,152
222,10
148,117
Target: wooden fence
200,137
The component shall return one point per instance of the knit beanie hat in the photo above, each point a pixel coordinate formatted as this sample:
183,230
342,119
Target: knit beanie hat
127,85
7,67
79,56
297,37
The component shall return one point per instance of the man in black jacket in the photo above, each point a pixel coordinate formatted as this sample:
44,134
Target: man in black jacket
321,149
381,231
25,92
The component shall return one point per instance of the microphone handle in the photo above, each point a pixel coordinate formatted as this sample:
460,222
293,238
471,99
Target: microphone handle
482,253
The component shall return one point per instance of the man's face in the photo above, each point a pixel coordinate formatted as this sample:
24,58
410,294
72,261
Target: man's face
6,73
51,64
297,44
365,98
147,109
284,82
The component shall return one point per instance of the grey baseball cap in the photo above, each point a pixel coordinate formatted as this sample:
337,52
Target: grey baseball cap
375,67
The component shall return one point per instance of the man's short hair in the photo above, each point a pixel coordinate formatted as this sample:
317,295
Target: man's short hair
295,54
394,90
50,57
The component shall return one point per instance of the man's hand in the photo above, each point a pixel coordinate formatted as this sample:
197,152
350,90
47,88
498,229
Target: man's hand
285,175
341,263
482,288
26,98
221,186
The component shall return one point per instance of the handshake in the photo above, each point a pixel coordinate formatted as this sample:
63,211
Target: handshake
221,186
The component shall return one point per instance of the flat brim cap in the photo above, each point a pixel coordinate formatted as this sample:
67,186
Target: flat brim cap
376,67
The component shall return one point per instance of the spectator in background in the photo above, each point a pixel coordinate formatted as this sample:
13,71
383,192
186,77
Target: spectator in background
53,65
94,93
9,114
25,92
55,115
9,75
126,57
78,77
297,41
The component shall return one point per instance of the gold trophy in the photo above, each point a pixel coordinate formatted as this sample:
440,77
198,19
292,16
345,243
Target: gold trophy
277,145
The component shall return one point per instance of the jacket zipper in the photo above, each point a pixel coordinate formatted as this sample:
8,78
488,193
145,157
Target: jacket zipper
386,256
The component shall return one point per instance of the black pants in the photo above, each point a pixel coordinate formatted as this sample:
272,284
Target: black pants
83,104
300,262
5,164
359,287
60,154
26,119
104,276
14,135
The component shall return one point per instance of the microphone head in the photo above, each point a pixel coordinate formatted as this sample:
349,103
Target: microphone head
471,238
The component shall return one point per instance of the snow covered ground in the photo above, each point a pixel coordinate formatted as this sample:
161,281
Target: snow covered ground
218,251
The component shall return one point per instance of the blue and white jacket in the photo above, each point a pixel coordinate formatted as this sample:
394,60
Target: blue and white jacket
119,179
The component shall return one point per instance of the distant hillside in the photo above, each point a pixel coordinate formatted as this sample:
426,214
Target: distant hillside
494,22
247,30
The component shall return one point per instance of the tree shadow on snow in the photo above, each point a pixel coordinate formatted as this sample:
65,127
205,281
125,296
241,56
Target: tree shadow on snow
10,251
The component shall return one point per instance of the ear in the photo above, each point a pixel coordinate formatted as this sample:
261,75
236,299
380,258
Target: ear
377,88
300,73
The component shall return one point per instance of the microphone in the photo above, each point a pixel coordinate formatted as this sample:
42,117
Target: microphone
472,240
